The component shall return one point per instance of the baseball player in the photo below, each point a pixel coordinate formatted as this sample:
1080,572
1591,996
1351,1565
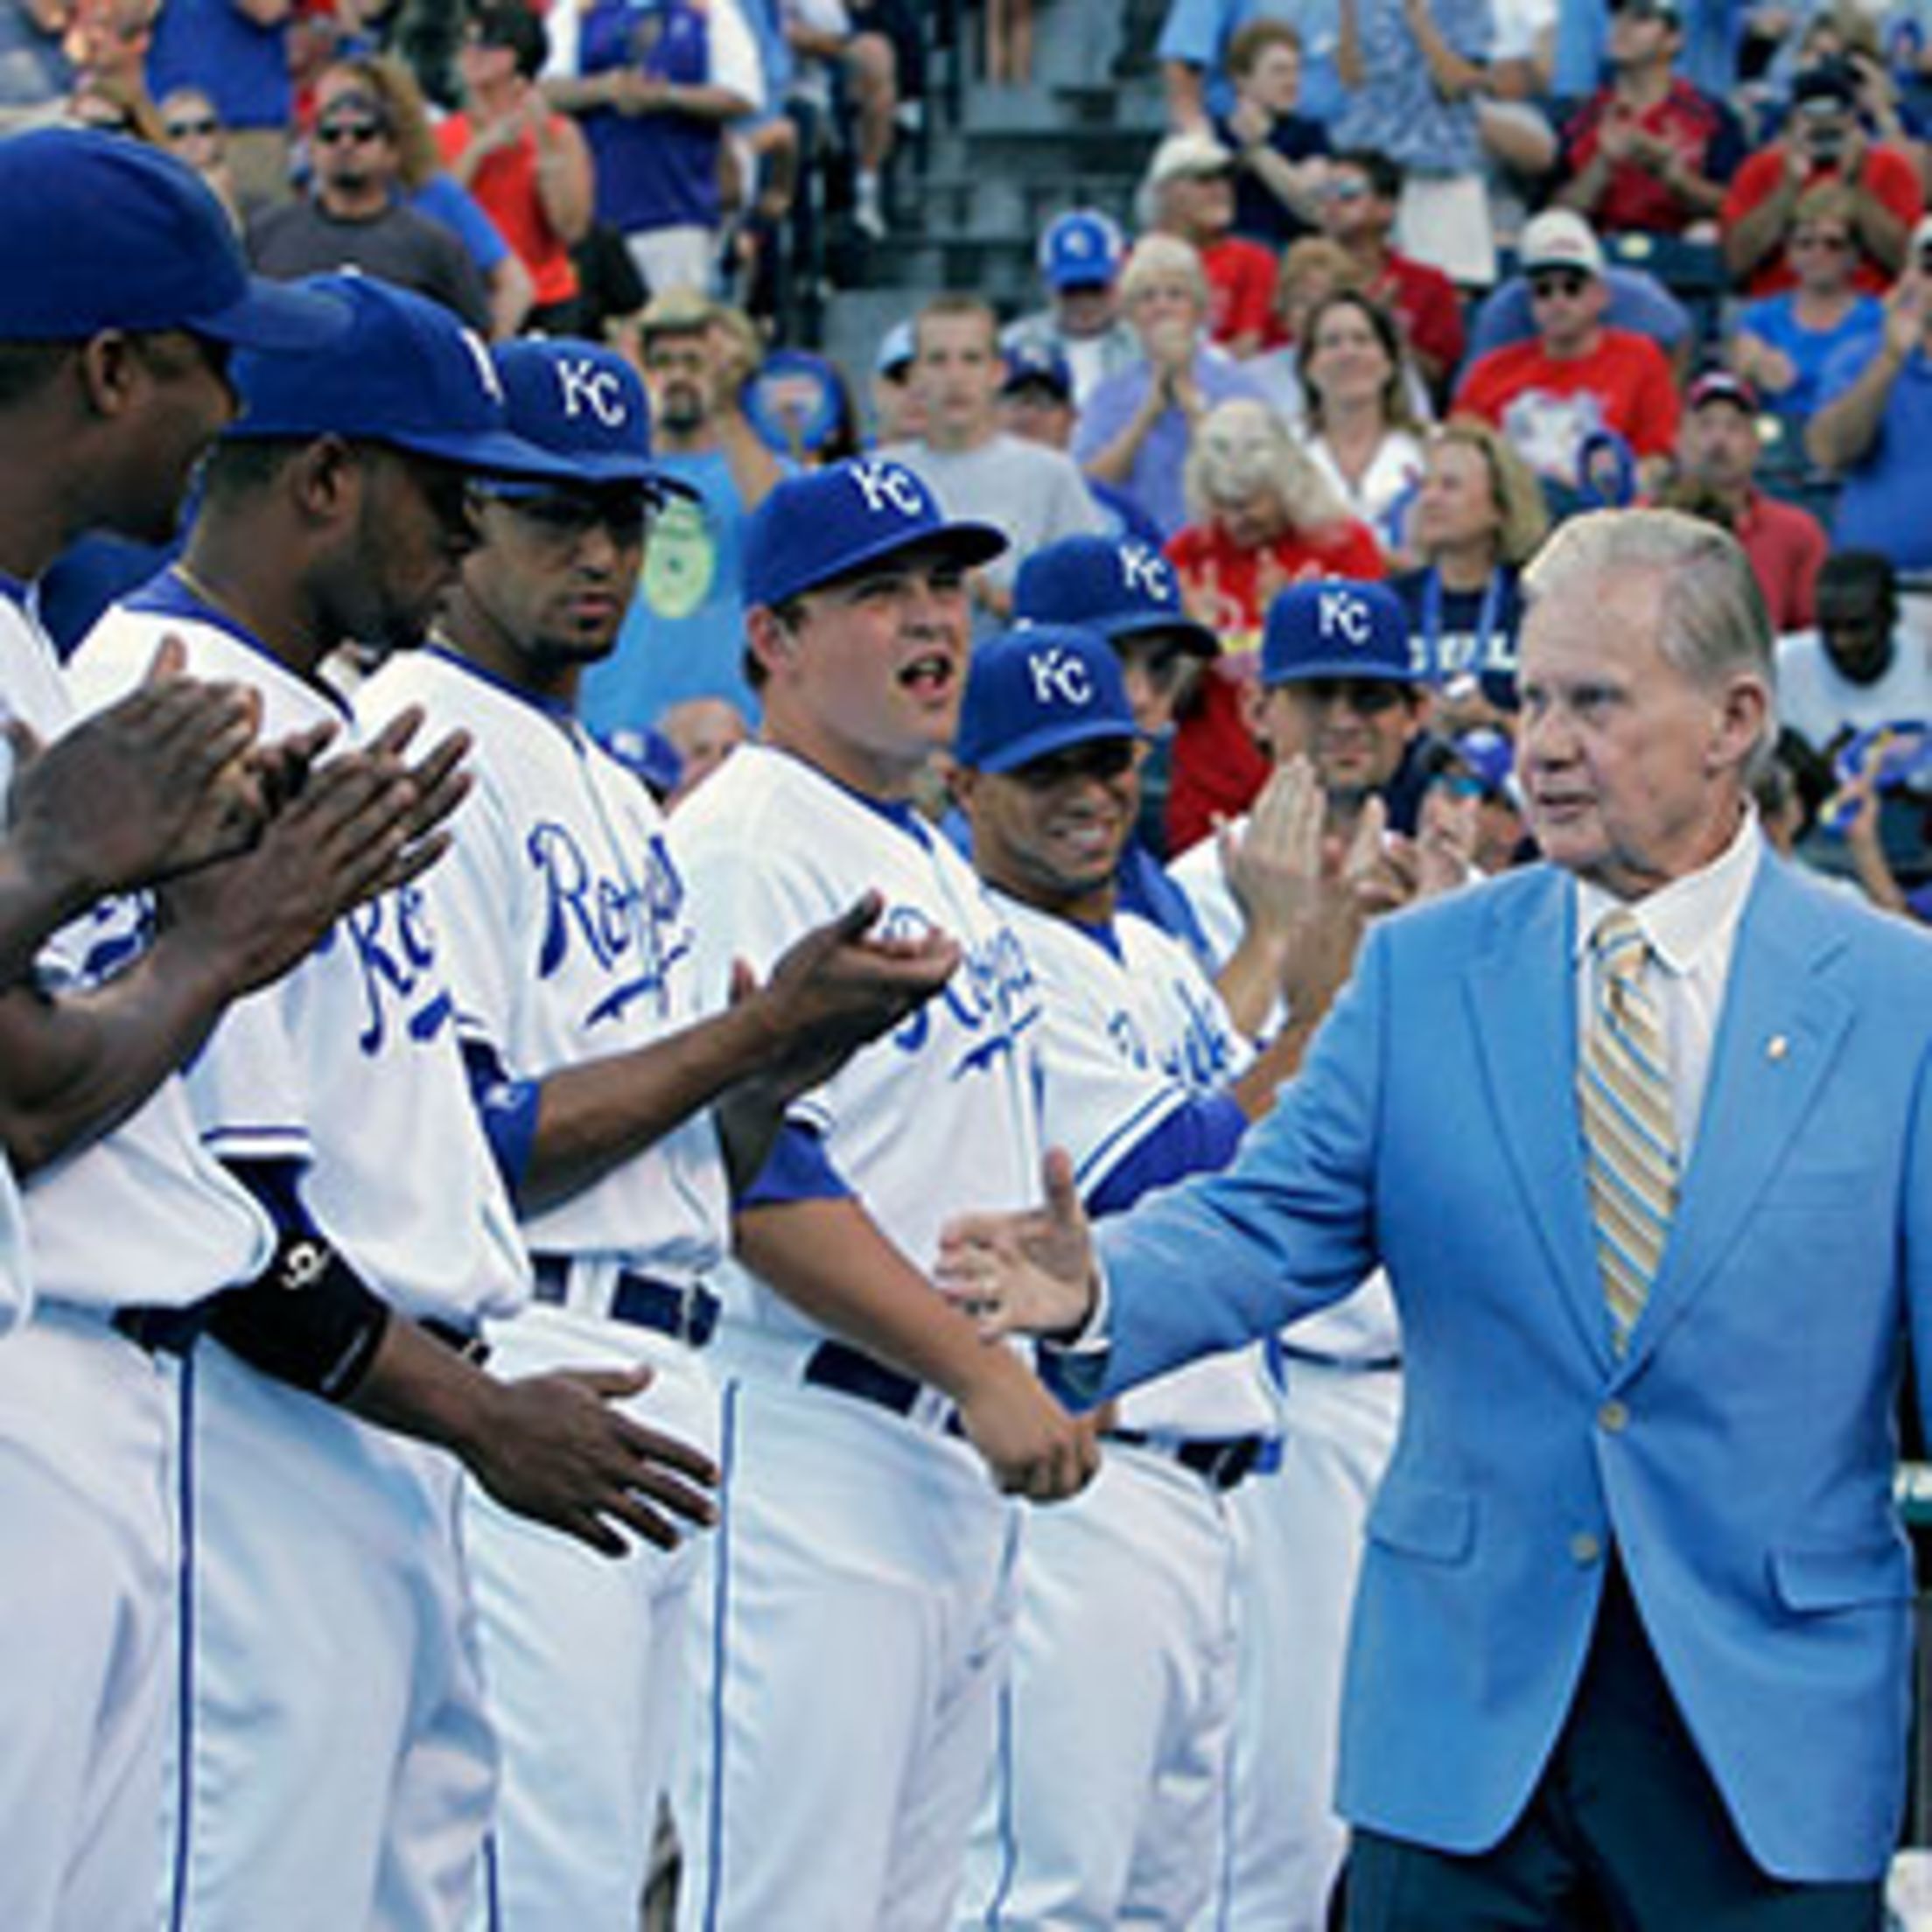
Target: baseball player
861,1587
337,1769
127,289
568,937
1338,1373
1106,1805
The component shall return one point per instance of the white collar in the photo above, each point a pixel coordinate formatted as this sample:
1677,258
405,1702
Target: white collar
1690,917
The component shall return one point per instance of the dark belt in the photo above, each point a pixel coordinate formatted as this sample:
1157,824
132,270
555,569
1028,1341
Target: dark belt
162,1331
688,1315
1348,1365
847,1371
1220,1462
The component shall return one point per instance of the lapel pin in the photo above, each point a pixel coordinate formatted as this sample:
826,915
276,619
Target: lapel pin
1776,1048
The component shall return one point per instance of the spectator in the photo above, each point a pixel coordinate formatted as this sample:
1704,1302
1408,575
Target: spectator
980,474
897,412
1718,455
191,131
1036,404
1636,301
1824,141
238,52
1577,377
1478,518
1358,428
1860,667
863,58
351,215
1193,50
653,91
1189,193
683,636
1649,153
703,731
1263,518
1358,210
108,44
1137,426
527,166
35,72
1783,343
1081,256
1416,67
1279,155
1874,425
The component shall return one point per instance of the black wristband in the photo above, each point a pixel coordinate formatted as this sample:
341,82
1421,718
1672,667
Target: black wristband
306,1320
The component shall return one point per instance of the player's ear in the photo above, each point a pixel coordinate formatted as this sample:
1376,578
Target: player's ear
325,475
770,642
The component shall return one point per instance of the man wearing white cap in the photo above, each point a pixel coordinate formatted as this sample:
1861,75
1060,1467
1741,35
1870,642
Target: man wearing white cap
1575,378
1189,193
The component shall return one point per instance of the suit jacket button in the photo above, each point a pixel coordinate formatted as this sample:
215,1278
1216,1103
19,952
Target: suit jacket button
1584,1548
1612,1418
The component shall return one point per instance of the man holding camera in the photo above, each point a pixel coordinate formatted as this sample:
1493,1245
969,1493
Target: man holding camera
1823,140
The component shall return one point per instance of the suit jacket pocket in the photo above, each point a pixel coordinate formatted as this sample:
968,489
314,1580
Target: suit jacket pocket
1422,1519
1872,1570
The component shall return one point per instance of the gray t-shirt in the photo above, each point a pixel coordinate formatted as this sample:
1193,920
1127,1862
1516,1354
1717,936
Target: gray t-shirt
399,245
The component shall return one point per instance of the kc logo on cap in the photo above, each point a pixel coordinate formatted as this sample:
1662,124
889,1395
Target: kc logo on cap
1059,677
1145,573
886,487
1039,688
1332,627
1344,614
583,384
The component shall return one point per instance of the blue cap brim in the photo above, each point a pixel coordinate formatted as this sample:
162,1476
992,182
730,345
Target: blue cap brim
1049,739
272,315
1118,630
1351,668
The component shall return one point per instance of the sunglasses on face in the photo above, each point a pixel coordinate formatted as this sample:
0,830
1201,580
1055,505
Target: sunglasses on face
563,517
189,130
334,133
1366,697
1566,281
1106,760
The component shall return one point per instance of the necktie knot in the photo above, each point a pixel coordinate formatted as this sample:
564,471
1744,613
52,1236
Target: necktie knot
1621,948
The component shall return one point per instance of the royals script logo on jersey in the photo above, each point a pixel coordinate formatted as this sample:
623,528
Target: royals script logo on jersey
1200,1056
624,933
391,944
978,1018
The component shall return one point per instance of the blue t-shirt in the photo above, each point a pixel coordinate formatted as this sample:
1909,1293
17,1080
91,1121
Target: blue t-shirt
444,199
1812,351
653,171
212,44
1882,499
684,634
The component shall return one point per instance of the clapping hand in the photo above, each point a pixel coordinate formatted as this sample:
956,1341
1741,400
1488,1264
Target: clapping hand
1029,1273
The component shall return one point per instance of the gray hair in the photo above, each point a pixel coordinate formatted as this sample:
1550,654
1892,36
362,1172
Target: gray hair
1155,256
1240,446
1712,613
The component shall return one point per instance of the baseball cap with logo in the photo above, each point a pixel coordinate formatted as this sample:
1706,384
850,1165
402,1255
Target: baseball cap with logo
1337,628
1559,238
1082,249
827,523
405,372
1039,688
1118,586
583,404
1721,386
105,232
1182,156
1037,365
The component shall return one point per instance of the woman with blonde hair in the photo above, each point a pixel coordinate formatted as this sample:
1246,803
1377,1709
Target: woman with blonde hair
1264,517
1478,517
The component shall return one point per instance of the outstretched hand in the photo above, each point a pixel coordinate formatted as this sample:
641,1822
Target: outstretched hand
1029,1273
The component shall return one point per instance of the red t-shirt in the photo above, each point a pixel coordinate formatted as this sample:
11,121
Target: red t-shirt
1884,173
1633,198
1241,292
1785,545
1217,766
1426,307
505,186
1546,407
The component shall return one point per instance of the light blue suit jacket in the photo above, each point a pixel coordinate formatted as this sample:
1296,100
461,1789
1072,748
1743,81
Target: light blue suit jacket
1740,1456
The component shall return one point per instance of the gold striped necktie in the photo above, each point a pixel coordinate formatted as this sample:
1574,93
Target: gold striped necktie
1630,1136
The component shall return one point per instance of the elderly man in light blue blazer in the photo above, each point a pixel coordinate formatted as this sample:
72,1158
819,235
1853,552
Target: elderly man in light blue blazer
1644,1136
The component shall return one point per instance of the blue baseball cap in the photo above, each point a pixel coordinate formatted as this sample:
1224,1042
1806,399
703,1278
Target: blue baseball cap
827,523
106,233
1030,363
1118,586
898,350
584,405
1082,249
405,373
1038,689
1334,627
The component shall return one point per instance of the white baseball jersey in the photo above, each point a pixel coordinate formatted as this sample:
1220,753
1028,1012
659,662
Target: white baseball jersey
141,1214
348,1065
561,845
941,1114
1131,1032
